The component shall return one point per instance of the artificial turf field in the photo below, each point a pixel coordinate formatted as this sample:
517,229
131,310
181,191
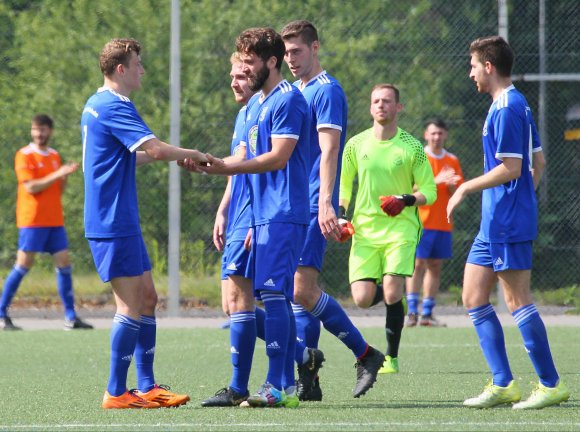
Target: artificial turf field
54,380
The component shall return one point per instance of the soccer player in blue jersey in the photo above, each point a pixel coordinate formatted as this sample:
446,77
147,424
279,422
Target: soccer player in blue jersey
116,140
278,157
233,220
502,250
328,110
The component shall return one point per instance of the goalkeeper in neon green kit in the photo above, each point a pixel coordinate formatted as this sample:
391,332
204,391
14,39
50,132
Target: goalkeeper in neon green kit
388,163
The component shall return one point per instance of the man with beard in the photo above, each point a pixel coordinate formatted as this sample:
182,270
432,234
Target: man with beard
276,137
502,250
328,110
387,162
40,219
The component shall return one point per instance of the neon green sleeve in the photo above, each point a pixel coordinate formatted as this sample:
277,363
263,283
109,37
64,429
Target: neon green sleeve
349,170
423,176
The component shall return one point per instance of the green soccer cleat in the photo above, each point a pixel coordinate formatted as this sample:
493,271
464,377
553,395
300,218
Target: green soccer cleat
291,400
390,365
493,395
543,397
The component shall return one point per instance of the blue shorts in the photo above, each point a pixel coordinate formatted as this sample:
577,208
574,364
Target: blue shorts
236,260
314,245
120,257
49,239
276,249
435,244
501,256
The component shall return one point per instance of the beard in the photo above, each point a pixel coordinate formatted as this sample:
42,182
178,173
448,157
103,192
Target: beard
257,81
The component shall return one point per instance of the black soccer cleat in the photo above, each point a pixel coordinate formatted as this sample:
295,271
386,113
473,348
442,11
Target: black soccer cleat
9,325
315,393
77,324
308,372
225,397
367,369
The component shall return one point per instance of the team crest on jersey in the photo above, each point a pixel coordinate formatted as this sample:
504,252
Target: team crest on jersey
398,161
263,113
253,139
484,131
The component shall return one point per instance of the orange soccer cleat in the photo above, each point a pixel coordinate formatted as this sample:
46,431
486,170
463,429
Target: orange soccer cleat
165,398
127,400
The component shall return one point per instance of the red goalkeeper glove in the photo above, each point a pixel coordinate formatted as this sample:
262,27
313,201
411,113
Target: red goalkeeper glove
394,204
346,228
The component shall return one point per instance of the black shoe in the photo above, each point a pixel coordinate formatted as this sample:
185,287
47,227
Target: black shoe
8,325
76,324
367,369
225,397
308,371
315,393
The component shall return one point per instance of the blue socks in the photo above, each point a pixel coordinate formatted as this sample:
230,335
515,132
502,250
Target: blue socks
492,343
242,343
337,322
65,291
260,322
145,353
428,305
535,339
307,326
413,303
11,285
288,380
277,325
124,335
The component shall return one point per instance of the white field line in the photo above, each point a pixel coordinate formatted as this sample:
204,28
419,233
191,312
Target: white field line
358,425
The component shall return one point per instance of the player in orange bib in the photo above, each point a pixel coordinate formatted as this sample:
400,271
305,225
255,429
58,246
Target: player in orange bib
40,219
435,244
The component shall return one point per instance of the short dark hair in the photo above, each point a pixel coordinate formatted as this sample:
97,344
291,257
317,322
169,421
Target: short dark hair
438,122
497,51
300,28
116,52
262,41
43,120
388,86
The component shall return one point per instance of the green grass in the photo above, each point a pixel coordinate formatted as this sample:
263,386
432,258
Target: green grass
54,380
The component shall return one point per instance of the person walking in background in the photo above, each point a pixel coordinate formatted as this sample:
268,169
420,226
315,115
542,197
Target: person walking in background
42,180
502,250
116,140
435,245
232,222
328,111
387,163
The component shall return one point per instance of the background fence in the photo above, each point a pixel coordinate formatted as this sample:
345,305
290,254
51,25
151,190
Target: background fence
49,63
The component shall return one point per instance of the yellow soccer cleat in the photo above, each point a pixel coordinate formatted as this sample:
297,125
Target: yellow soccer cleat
127,400
495,395
164,397
390,365
543,397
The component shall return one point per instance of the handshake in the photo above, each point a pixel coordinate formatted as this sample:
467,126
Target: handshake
394,204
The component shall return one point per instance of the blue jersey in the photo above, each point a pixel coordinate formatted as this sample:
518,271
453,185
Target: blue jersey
328,109
239,212
112,131
280,195
509,211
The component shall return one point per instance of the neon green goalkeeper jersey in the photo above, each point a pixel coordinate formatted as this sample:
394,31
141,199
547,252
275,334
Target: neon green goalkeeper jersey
386,168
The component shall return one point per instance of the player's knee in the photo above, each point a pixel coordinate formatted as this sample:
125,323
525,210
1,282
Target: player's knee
150,299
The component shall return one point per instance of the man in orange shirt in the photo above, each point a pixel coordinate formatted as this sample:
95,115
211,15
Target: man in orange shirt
40,219
435,244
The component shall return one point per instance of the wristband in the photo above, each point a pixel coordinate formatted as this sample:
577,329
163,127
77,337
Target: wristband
408,199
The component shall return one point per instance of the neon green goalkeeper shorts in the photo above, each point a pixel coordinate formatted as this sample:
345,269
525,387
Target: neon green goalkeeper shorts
368,261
